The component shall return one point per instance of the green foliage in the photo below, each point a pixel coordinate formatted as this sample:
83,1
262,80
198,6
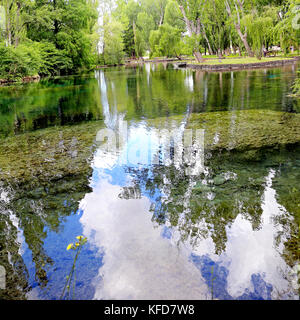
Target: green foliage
47,38
217,26
154,40
145,24
113,40
287,31
128,40
18,62
53,61
61,37
32,58
166,41
140,43
259,30
296,87
173,16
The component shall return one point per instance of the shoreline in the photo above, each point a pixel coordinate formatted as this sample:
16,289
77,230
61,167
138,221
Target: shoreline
239,66
181,64
22,80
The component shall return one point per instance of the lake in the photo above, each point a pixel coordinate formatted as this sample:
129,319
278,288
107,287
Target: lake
162,219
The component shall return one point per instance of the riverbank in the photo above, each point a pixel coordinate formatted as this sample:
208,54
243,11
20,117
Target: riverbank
238,64
23,80
214,63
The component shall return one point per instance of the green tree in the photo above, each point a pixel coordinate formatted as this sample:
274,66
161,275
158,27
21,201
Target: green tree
113,40
236,10
145,24
173,16
128,40
259,30
166,41
216,25
287,31
63,35
192,12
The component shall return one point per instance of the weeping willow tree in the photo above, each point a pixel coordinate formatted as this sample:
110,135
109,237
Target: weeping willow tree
260,30
287,31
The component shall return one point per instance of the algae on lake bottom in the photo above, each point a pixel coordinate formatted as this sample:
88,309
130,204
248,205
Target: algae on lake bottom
48,155
43,176
240,131
46,173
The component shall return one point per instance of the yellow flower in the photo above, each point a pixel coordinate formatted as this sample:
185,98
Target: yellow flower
79,237
70,246
77,244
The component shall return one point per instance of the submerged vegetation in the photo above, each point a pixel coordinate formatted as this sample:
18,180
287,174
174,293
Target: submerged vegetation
296,87
59,153
47,155
47,148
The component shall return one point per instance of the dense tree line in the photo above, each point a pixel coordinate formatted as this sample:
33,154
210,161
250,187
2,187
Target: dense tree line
47,37
194,27
54,37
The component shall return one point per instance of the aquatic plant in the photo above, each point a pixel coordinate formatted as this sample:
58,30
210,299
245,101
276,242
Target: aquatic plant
296,87
71,277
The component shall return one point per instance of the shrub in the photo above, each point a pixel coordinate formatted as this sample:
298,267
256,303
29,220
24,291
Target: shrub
32,58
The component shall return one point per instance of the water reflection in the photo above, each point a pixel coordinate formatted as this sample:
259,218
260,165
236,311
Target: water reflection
145,219
155,232
143,92
138,262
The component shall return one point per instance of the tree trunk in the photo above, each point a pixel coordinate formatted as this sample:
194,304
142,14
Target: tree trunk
198,56
134,38
206,39
244,40
187,21
220,55
161,19
209,46
8,32
237,24
18,27
231,46
192,30
8,24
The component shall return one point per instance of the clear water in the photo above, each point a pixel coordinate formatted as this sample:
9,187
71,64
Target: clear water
153,231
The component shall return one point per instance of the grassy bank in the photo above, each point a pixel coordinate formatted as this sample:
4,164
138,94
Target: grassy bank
242,60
